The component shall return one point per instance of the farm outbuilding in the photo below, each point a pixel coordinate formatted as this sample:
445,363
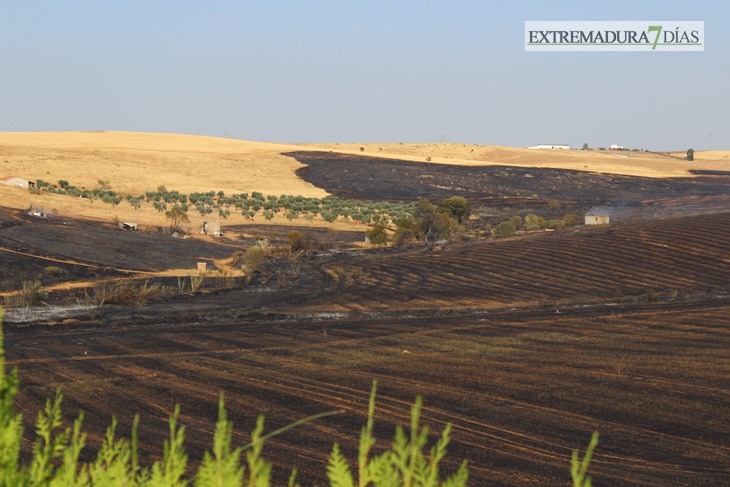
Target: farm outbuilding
16,181
597,219
211,228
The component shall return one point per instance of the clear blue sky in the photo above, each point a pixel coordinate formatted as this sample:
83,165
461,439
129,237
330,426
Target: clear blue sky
345,71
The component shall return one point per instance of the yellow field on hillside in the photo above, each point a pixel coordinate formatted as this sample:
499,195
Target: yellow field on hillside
137,162
612,162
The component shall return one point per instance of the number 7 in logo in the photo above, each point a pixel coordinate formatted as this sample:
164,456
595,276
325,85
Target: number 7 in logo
658,30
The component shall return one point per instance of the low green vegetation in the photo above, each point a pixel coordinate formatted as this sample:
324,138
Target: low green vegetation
429,223
505,229
377,235
417,221
533,223
329,209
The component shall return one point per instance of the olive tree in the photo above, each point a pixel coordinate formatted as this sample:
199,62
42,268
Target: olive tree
176,215
456,207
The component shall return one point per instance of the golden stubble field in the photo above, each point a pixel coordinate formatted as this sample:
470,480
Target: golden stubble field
137,162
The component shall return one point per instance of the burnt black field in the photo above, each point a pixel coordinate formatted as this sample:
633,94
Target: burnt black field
525,345
374,178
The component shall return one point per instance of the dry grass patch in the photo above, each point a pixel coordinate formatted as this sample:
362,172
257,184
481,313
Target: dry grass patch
137,162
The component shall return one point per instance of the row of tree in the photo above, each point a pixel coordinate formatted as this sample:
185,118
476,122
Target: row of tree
292,207
420,221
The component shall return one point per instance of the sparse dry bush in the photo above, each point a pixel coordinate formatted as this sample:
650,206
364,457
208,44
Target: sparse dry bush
254,258
304,242
31,293
264,244
53,270
125,292
180,286
295,240
238,259
196,282
282,277
225,279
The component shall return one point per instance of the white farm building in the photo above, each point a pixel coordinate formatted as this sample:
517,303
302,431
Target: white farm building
550,146
597,219
16,181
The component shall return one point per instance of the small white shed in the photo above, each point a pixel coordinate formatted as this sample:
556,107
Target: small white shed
597,219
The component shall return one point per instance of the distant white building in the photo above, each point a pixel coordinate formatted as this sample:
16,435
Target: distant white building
550,146
616,147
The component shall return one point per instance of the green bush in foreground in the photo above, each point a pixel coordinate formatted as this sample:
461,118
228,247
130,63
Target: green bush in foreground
56,452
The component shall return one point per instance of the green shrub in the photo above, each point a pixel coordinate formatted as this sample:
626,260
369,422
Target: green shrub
505,229
406,231
571,220
456,207
516,221
534,222
377,235
554,224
